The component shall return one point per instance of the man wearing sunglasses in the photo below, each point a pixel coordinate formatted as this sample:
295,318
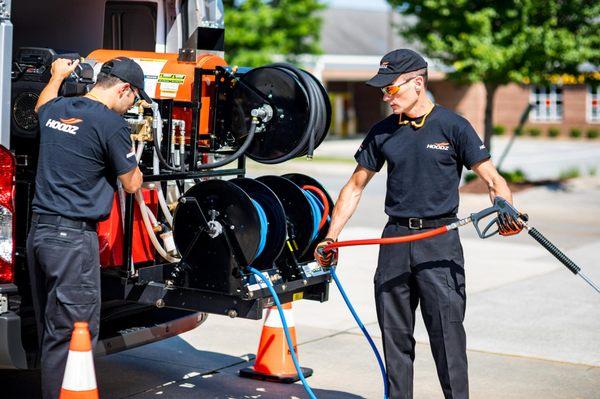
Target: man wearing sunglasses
425,147
85,147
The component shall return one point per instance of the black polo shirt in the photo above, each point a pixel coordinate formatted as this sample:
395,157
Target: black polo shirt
84,146
424,164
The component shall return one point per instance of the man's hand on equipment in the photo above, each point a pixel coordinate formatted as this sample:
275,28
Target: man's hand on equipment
62,68
508,226
326,259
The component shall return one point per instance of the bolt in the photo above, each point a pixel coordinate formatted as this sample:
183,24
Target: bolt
232,227
304,282
283,287
281,116
232,313
160,303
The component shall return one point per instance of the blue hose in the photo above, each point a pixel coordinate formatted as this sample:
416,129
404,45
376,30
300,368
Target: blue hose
263,228
285,330
364,330
316,212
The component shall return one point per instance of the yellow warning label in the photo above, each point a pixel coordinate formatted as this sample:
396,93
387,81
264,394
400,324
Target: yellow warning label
297,296
171,78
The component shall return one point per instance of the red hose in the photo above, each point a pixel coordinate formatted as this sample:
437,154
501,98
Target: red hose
389,240
324,200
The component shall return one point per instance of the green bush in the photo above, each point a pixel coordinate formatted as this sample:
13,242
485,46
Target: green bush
534,132
593,134
569,174
553,132
575,133
518,132
470,176
515,176
499,130
593,171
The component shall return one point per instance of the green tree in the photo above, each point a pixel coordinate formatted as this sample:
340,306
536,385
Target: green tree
522,41
255,30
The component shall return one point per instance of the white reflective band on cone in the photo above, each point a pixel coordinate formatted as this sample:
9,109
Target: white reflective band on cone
273,319
79,372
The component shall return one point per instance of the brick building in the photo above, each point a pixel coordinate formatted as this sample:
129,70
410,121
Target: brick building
353,42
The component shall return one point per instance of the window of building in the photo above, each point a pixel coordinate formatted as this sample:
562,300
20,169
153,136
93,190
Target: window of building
130,25
593,103
547,103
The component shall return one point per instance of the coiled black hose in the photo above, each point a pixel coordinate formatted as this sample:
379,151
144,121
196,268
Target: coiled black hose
316,126
236,154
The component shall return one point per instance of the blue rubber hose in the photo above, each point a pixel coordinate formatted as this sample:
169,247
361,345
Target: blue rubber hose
263,228
316,212
285,330
364,330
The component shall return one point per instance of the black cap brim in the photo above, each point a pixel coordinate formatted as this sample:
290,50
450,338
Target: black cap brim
383,79
145,96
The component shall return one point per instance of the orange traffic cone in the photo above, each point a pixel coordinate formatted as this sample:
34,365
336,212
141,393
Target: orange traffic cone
79,381
273,358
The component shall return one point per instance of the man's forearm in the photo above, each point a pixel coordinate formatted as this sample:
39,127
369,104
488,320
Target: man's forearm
497,186
49,92
344,209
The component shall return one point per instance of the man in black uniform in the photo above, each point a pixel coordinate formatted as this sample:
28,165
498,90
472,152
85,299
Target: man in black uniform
425,147
85,146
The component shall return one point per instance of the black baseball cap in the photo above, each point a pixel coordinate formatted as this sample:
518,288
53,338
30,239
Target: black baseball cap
394,64
128,71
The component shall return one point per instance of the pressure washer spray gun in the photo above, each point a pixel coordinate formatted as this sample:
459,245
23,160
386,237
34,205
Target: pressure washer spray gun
506,215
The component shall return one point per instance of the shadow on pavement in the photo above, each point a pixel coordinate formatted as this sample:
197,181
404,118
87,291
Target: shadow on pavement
170,369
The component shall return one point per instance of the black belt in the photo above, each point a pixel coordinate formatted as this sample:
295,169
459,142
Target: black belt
58,220
423,223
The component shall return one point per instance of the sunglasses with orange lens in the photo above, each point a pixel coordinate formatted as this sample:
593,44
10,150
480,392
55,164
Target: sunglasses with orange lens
393,89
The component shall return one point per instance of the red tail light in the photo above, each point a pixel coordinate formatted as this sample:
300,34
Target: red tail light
7,212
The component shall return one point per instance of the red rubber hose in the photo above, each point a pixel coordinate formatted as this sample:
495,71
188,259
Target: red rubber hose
323,198
389,240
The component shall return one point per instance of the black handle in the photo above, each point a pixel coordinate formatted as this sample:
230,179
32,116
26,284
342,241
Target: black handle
539,237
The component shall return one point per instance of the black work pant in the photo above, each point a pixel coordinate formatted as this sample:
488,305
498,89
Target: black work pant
64,269
429,272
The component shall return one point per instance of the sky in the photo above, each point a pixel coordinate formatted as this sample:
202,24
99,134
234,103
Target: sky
359,4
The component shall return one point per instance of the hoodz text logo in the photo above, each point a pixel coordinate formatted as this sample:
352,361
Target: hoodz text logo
65,125
439,146
384,65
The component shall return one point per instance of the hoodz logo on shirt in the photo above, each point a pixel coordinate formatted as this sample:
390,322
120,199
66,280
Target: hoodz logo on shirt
439,146
64,125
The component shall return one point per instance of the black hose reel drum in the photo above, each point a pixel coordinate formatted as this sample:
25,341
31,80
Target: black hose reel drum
294,109
220,227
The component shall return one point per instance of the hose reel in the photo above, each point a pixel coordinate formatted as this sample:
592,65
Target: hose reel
221,228
295,112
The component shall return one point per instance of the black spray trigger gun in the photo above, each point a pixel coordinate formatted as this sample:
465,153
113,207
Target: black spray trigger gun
502,209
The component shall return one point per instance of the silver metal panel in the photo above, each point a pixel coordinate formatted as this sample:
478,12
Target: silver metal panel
6,39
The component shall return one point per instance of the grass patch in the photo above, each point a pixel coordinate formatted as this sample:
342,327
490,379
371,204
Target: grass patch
570,173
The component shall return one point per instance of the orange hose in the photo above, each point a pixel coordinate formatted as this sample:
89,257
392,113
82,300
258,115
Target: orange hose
324,200
389,240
